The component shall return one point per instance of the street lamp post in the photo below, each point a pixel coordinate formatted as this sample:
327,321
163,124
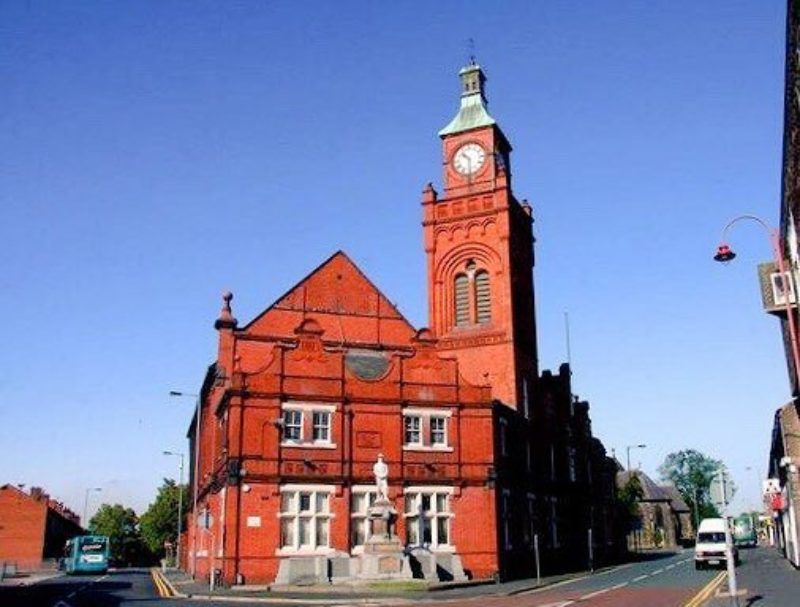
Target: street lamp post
86,503
196,473
725,254
180,508
628,453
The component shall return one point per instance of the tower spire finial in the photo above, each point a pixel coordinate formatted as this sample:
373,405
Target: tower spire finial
226,319
471,49
472,113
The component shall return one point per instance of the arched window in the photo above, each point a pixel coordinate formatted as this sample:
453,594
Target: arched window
462,300
472,296
483,298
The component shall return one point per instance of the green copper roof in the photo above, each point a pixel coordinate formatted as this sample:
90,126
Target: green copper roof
472,113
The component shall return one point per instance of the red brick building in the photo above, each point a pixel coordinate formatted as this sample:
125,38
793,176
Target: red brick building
33,527
486,455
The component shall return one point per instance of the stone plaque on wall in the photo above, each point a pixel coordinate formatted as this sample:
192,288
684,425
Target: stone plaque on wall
388,564
368,440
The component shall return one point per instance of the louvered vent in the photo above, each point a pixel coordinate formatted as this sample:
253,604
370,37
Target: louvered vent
483,297
462,300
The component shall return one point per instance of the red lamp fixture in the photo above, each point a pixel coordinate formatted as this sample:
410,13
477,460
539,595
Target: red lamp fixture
724,254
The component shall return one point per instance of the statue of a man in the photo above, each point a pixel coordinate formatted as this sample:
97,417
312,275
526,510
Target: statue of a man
381,472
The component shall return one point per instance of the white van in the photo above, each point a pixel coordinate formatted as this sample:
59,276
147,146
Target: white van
710,546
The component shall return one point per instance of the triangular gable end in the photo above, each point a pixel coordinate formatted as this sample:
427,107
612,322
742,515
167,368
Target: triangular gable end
336,288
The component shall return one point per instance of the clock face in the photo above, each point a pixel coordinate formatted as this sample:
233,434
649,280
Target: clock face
469,158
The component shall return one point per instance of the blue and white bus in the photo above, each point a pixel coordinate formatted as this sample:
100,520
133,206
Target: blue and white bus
86,554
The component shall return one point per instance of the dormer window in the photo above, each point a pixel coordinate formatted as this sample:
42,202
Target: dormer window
472,296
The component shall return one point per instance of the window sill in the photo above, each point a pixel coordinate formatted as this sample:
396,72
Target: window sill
293,445
441,549
425,448
304,551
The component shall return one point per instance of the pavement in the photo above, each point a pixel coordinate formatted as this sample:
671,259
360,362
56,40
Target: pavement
764,579
656,580
29,578
181,585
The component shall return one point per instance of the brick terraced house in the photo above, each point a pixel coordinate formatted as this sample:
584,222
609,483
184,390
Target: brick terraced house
33,527
486,454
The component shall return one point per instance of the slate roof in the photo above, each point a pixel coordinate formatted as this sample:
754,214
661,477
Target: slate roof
652,492
678,505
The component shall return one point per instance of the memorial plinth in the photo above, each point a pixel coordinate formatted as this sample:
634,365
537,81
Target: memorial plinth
383,557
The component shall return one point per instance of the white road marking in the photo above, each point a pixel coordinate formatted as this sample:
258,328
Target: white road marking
591,595
573,580
63,603
657,571
639,578
670,566
618,586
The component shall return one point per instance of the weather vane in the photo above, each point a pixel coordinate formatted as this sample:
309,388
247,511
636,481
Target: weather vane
471,49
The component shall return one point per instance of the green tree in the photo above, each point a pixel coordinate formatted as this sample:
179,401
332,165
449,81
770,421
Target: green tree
692,472
121,525
160,523
630,494
628,498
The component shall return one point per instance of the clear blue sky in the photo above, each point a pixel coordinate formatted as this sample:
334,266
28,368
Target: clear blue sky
153,154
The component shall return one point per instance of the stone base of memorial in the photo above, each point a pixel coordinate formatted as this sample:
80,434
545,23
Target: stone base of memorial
383,557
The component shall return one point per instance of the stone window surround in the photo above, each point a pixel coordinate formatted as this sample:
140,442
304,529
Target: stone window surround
307,410
368,491
425,414
314,489
433,490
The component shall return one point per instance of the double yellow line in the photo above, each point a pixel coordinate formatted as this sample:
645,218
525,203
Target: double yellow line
164,590
707,590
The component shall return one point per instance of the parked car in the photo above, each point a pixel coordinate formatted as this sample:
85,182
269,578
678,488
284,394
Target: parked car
710,546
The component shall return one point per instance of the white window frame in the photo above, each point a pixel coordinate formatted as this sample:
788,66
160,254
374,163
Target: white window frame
307,411
286,413
425,415
326,426
433,516
407,418
779,293
370,493
438,431
312,515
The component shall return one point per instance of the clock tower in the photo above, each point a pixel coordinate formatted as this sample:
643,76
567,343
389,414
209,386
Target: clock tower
479,246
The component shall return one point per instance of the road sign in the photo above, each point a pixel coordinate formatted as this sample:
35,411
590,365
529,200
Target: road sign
771,486
721,489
